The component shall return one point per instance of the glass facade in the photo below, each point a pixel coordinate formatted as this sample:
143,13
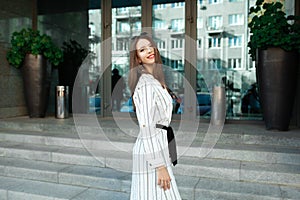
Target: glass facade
222,54
222,36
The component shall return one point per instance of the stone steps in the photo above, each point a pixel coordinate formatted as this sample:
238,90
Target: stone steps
76,167
23,176
50,155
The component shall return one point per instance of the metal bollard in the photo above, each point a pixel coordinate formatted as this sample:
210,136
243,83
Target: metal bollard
218,113
62,102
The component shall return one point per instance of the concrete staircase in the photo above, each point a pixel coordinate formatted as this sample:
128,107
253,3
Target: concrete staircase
46,159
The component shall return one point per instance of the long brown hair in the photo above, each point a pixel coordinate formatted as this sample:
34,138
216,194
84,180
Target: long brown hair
136,68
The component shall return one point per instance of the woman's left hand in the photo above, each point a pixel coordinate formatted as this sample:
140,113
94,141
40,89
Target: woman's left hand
163,177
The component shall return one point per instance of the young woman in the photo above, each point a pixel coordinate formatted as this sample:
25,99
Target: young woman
152,176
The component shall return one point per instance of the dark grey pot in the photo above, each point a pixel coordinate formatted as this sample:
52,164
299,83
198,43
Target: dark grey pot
277,82
36,85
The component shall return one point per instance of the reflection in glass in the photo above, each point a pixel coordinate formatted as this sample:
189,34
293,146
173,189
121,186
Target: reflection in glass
126,24
223,60
168,32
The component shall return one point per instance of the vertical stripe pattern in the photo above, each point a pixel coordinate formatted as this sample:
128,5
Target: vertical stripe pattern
153,106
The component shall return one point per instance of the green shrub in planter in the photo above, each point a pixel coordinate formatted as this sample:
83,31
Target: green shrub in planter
29,41
270,27
275,44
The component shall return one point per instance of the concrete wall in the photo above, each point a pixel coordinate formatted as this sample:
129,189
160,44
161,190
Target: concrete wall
13,15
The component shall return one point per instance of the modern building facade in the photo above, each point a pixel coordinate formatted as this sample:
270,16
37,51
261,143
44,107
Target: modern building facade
204,42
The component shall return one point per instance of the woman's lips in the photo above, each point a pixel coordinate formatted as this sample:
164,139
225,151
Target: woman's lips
151,56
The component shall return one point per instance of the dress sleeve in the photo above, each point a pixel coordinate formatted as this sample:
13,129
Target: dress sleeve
146,111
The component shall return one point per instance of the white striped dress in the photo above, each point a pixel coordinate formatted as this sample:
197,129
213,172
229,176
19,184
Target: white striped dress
153,106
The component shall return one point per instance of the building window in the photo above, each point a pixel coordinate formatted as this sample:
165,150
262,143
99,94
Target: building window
199,43
214,42
177,64
174,64
214,1
177,5
215,22
177,44
236,19
122,45
137,26
177,24
158,24
159,6
214,63
235,41
234,63
124,27
122,10
201,2
161,44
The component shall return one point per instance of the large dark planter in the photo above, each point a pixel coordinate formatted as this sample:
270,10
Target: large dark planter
277,82
36,85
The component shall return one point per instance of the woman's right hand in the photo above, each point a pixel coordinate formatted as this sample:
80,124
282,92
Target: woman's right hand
163,177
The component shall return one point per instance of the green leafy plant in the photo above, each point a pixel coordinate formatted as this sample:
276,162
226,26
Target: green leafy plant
270,27
32,41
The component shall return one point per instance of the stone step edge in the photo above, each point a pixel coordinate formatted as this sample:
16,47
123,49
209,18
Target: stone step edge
227,138
224,171
47,126
218,152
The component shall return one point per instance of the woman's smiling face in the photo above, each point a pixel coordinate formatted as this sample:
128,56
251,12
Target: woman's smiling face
145,52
